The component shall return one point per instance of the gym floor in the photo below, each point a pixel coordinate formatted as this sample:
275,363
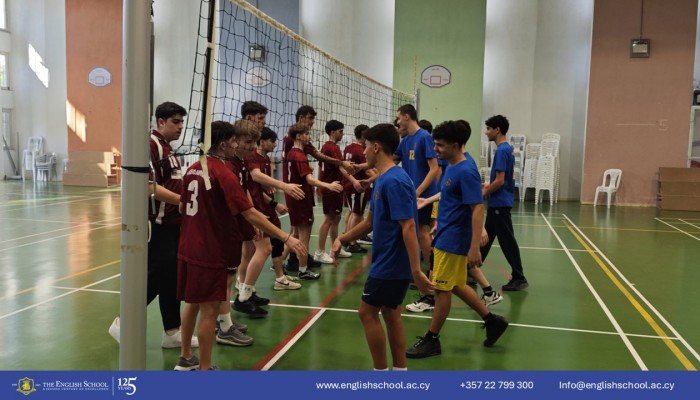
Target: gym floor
610,289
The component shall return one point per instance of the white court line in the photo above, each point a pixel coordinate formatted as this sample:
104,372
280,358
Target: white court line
43,221
634,289
602,305
35,305
56,237
58,230
292,341
32,206
686,222
678,229
86,290
674,219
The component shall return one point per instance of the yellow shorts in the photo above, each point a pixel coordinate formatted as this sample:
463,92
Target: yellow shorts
433,213
449,270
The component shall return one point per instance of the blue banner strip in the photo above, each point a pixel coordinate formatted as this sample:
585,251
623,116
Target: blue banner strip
365,385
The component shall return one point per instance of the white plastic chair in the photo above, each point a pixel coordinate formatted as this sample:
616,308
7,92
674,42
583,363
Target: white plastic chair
485,173
611,182
518,142
546,173
529,176
532,151
552,136
35,148
45,163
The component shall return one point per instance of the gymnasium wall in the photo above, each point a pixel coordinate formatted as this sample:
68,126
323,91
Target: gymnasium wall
38,83
639,108
449,33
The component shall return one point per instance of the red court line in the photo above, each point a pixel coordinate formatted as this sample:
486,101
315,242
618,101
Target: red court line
269,356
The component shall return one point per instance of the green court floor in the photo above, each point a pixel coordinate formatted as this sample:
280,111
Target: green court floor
610,289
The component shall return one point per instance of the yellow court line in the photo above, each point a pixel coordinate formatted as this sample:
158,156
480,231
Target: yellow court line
29,289
650,320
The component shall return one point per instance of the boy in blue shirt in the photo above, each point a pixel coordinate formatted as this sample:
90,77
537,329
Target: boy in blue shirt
395,258
460,215
499,194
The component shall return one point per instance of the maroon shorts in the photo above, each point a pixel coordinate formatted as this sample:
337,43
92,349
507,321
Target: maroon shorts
332,203
198,284
357,201
300,215
246,230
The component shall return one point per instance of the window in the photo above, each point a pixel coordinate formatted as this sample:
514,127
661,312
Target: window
3,14
4,78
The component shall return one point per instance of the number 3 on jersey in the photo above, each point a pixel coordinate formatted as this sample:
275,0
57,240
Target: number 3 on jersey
192,206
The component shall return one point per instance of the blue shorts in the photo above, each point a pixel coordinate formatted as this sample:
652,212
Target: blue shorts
385,293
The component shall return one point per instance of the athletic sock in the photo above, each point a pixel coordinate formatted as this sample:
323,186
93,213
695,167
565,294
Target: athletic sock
399,369
245,292
225,322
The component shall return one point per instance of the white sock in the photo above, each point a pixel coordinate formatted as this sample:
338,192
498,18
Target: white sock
385,369
225,322
399,369
245,292
302,269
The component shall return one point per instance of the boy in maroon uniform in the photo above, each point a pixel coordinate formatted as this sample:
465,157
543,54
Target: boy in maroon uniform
164,220
332,201
261,188
301,215
211,198
356,190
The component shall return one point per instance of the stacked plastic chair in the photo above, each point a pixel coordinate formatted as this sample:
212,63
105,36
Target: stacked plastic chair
550,146
485,173
484,153
529,177
546,176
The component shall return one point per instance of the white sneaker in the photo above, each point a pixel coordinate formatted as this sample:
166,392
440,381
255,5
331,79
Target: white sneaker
175,340
493,299
286,284
424,303
344,254
114,329
323,257
291,278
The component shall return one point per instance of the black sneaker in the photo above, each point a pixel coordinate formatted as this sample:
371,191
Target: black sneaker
355,248
292,262
308,275
471,282
248,307
494,329
313,263
365,240
292,267
514,285
424,347
261,301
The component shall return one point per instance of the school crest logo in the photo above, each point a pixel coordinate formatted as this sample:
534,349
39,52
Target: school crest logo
26,386
376,195
448,182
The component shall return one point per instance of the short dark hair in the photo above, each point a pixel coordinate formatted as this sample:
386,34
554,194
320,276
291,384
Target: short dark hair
425,124
305,110
296,129
267,134
221,131
385,135
359,130
498,121
453,132
252,108
333,125
169,109
408,109
468,127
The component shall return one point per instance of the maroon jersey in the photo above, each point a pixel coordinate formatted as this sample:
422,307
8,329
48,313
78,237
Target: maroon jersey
355,153
329,172
245,230
256,190
287,144
297,167
207,221
166,172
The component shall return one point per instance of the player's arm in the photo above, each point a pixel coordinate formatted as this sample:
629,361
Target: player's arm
410,239
289,188
161,193
333,186
333,161
474,254
430,200
430,177
496,184
355,233
260,221
279,208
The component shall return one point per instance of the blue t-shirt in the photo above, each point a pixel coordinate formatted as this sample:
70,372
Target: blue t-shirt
442,164
415,151
460,190
503,161
393,199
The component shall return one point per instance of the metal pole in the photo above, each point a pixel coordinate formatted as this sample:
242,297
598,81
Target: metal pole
135,128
